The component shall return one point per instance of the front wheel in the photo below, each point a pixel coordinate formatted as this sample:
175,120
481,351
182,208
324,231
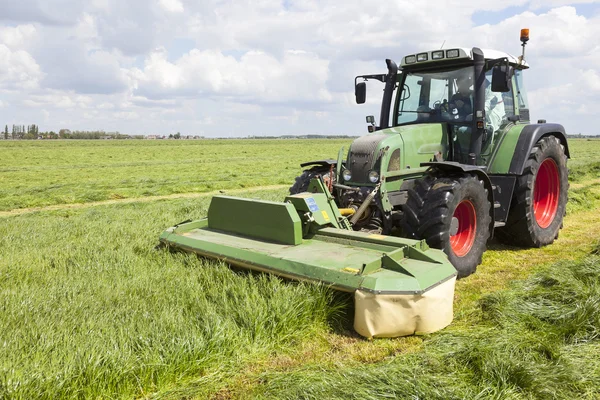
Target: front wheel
451,214
301,183
540,197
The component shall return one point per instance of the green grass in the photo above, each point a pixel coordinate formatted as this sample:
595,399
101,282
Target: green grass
42,173
89,309
537,340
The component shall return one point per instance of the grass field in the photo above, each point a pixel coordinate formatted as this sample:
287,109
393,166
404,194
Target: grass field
88,308
44,173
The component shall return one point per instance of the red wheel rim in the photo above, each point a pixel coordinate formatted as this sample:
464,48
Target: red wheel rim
464,238
546,193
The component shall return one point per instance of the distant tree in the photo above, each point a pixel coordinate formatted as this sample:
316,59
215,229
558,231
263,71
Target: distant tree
6,132
64,134
18,131
177,135
171,136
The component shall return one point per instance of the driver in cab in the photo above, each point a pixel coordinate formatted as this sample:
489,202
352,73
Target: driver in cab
461,102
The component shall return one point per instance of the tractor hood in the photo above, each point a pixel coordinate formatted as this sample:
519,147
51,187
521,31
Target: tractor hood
395,149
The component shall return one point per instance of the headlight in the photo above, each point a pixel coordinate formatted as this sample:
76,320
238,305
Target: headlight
454,53
373,176
347,175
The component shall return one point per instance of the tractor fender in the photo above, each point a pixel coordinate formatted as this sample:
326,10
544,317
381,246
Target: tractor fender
320,163
529,136
452,166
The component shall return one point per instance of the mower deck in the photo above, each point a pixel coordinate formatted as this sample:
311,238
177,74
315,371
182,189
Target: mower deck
345,260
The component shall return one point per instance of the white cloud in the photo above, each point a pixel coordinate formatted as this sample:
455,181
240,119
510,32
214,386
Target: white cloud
18,70
173,6
18,36
129,115
59,100
149,65
298,77
105,106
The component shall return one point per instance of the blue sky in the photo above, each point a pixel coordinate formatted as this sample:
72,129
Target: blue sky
239,68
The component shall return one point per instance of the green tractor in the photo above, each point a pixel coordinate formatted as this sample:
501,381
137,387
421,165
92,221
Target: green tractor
454,159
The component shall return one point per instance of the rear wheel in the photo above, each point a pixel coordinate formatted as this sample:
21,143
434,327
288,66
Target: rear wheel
540,197
451,214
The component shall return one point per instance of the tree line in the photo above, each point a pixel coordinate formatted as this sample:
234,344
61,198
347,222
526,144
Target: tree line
20,132
31,132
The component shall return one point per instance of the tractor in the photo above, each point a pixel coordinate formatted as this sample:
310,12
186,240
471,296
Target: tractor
455,159
453,162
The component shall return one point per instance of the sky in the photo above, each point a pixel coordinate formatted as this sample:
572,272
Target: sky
225,68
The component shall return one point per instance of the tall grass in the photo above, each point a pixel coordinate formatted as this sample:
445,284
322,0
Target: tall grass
89,309
538,340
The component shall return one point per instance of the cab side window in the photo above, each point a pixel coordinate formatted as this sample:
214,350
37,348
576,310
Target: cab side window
410,103
522,103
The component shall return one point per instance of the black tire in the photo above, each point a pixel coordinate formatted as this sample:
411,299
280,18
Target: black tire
534,221
302,181
432,205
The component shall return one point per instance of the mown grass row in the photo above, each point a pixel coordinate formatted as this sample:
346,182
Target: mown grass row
538,340
54,172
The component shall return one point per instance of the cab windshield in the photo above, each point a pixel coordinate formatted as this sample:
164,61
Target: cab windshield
439,96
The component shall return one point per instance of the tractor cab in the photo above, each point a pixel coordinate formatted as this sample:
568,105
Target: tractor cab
476,94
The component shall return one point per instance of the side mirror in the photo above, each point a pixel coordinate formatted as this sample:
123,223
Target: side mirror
360,92
370,119
501,78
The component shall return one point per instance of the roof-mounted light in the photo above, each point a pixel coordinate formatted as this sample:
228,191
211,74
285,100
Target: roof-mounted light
437,55
524,40
454,53
410,59
524,35
422,57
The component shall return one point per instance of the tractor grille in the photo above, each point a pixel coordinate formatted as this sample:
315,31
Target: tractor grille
362,155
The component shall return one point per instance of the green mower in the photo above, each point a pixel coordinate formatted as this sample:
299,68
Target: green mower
453,162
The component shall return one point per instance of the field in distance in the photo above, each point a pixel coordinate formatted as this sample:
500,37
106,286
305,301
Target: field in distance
43,173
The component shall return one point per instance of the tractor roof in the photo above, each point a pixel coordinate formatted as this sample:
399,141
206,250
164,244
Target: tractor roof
456,54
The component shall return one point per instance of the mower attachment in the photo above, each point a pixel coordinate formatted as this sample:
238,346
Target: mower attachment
401,286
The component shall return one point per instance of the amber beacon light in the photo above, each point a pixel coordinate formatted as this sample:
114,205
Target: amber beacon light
524,35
